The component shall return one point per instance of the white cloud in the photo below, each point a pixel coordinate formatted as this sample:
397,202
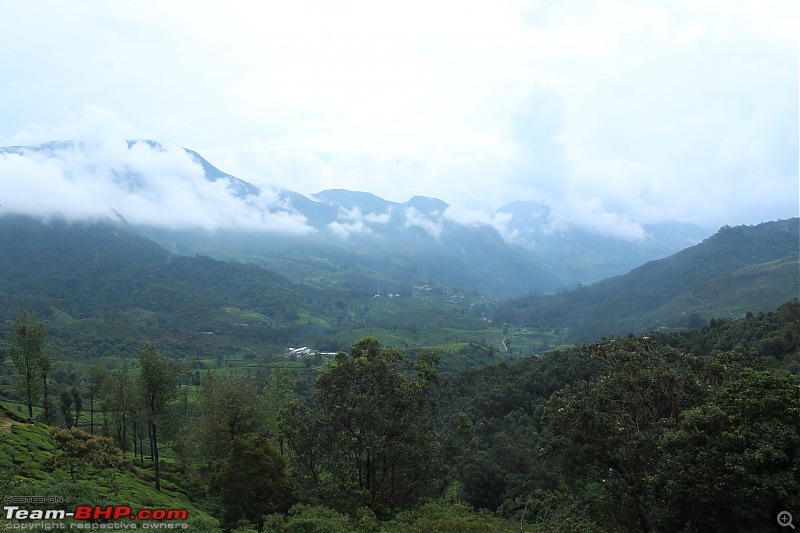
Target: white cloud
351,221
645,111
344,230
414,218
159,186
482,217
379,218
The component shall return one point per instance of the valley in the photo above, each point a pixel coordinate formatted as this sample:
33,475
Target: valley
447,353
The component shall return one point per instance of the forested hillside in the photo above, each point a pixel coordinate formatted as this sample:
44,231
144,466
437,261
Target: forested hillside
105,289
85,270
738,269
667,432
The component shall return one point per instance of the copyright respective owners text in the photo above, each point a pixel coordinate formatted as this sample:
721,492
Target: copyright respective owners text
46,513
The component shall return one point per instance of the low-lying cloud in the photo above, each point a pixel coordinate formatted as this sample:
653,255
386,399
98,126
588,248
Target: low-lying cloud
414,218
145,183
477,217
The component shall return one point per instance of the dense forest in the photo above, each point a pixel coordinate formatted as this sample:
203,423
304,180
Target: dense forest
692,430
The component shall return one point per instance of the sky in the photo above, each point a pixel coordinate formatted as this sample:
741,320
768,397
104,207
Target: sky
615,113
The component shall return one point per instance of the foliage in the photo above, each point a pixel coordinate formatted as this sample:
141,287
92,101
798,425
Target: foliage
158,380
368,440
309,519
448,517
229,408
607,431
251,481
28,353
118,402
84,453
734,462
491,421
26,446
772,336
612,437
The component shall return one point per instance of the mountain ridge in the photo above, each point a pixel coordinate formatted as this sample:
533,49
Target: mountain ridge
177,200
738,269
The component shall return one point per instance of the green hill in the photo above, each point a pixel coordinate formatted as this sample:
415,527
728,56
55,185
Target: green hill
104,290
738,269
103,280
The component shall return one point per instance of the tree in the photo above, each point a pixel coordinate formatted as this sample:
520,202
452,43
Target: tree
66,408
368,440
251,481
607,432
734,462
27,349
229,408
83,452
158,385
278,393
44,364
97,375
77,401
118,400
607,436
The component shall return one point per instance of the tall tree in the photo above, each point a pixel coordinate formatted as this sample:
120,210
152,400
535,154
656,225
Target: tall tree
78,403
278,393
27,348
97,375
368,440
251,481
66,408
229,408
118,402
44,364
158,385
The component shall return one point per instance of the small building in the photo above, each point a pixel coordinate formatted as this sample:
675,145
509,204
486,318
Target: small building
305,351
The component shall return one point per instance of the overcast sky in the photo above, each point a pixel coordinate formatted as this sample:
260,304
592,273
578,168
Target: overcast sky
613,112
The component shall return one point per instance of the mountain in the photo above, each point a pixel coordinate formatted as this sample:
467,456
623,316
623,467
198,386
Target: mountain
334,238
585,256
107,273
738,269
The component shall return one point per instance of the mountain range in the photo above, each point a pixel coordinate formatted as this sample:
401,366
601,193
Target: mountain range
325,255
339,238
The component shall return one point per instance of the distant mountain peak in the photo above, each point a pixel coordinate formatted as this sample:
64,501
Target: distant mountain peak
427,205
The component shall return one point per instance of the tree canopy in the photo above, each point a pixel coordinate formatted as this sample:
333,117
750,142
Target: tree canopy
367,437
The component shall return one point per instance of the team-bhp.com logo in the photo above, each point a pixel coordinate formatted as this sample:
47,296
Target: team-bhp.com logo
94,513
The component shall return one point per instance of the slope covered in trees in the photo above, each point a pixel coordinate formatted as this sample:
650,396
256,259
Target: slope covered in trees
85,270
678,432
738,269
606,431
103,288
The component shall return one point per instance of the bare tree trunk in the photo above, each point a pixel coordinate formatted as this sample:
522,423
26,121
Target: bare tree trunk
155,459
46,400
